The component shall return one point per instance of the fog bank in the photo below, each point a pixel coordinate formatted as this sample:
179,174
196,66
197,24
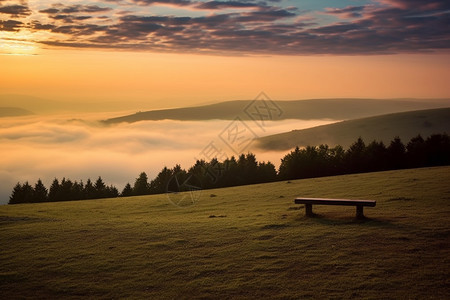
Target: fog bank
79,147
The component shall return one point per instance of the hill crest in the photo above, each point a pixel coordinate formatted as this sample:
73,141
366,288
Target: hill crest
335,109
381,128
14,112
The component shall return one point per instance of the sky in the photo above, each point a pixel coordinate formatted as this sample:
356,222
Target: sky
169,53
76,62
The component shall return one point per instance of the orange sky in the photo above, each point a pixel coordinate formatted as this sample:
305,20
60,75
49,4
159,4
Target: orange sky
147,54
167,80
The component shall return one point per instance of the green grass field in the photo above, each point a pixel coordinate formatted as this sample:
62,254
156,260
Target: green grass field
241,242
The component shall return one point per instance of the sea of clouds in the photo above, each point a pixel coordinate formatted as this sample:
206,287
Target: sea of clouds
79,147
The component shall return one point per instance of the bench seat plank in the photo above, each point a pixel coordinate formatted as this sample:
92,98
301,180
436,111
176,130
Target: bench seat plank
325,201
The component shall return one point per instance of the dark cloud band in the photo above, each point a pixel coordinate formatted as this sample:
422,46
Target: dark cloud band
248,27
15,10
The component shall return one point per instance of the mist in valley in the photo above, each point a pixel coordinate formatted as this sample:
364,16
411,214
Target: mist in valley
79,146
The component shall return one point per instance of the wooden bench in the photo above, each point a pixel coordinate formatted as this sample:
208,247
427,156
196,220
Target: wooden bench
309,202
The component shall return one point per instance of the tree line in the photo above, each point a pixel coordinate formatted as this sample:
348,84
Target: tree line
308,162
205,175
66,190
316,161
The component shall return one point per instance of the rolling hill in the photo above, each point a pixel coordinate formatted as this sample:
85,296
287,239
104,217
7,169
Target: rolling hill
35,104
247,242
381,128
335,109
14,112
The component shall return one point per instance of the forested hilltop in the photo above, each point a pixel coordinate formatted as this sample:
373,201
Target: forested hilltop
308,162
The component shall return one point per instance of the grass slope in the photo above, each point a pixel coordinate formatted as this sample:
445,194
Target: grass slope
338,109
382,128
258,245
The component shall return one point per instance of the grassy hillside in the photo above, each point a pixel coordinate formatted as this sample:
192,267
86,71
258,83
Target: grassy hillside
241,242
382,128
337,109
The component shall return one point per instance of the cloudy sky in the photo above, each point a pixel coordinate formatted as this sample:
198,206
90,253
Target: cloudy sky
233,27
173,52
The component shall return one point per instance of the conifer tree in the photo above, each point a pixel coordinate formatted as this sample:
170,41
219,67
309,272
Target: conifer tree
100,188
16,195
141,186
55,191
396,154
27,191
40,193
112,192
89,190
127,191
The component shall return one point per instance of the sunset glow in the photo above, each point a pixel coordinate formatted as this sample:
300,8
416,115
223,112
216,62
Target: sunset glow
155,80
182,52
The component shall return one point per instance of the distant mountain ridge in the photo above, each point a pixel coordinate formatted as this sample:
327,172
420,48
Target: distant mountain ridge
335,109
14,112
381,128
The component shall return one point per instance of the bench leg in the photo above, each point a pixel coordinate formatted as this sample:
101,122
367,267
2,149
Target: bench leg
308,210
360,212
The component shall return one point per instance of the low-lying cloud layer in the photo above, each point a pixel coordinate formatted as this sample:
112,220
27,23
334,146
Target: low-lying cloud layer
235,27
37,147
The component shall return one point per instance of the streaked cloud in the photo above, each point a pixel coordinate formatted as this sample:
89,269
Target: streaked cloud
15,10
236,26
225,4
346,12
10,25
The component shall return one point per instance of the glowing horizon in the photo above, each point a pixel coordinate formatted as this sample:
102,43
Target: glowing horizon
174,80
172,53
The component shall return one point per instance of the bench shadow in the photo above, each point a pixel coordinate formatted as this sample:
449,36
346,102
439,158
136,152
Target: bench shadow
366,221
